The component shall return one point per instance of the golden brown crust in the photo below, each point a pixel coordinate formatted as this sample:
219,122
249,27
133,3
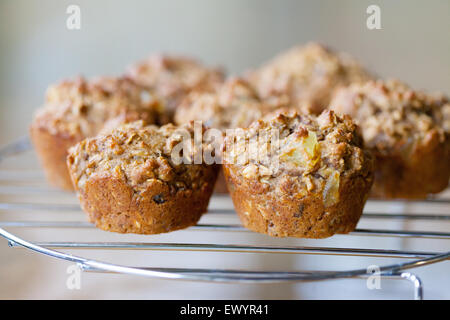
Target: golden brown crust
113,205
305,76
408,132
128,182
313,185
78,108
221,183
306,217
426,172
52,151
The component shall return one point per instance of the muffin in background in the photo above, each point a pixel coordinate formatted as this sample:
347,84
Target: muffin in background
78,108
408,132
234,105
305,77
128,181
299,175
174,77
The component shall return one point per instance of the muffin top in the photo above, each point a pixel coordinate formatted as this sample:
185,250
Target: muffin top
80,107
305,76
142,155
293,155
234,105
393,116
173,77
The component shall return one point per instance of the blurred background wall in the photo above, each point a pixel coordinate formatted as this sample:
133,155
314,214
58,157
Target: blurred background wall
37,49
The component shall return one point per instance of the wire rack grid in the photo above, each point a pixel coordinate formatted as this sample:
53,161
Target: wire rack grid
18,183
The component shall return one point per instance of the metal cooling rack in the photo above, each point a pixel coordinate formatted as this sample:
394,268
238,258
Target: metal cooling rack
23,186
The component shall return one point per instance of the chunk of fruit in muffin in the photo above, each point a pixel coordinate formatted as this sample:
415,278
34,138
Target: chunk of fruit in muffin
299,175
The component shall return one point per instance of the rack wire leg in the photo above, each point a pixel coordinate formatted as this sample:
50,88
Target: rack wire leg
417,283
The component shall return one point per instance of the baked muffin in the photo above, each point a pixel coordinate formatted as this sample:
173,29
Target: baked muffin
130,181
173,77
78,108
299,175
234,105
305,76
408,132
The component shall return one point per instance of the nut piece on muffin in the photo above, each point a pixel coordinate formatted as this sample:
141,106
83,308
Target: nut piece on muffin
234,105
408,132
305,76
173,77
77,109
299,175
130,181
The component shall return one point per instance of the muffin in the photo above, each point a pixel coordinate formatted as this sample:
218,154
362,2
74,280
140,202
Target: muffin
78,108
305,76
299,175
131,181
234,105
173,77
408,132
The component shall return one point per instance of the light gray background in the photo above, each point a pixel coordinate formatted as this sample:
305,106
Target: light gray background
36,49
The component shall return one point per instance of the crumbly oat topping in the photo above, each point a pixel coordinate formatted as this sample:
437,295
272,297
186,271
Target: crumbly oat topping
305,76
393,116
299,153
81,108
140,155
234,105
173,77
